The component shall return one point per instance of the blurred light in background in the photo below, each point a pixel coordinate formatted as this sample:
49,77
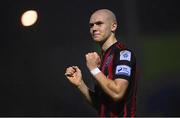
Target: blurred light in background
29,18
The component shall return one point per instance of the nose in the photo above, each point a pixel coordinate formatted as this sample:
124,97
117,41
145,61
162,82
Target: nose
94,27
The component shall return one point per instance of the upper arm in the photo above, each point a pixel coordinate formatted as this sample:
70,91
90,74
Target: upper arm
122,85
124,70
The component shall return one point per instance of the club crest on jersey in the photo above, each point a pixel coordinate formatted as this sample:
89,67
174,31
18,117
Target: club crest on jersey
125,55
123,70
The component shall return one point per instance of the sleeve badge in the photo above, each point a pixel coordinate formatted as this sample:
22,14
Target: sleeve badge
125,55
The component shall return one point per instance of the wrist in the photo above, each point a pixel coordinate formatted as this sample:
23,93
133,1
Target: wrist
95,71
79,85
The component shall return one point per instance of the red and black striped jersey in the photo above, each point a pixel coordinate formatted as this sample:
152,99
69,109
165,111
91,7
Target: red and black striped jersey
117,62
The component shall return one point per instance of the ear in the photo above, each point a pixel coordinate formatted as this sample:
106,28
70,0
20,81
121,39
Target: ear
114,27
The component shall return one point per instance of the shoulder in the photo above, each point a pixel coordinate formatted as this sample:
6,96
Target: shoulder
123,51
125,54
119,46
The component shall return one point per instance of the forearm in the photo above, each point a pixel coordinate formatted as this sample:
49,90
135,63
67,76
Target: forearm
106,84
85,92
110,87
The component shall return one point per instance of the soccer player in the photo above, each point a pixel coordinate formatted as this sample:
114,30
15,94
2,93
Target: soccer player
115,89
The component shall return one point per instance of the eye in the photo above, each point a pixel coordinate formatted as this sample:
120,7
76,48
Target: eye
91,25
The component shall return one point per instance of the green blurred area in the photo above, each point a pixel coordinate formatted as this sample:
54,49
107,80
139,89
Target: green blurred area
160,54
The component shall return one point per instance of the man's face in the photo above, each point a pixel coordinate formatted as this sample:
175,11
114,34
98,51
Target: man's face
100,26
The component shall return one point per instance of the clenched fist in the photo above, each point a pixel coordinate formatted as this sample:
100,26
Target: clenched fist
74,75
92,60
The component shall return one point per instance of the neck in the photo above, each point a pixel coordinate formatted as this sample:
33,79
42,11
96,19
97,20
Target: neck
109,42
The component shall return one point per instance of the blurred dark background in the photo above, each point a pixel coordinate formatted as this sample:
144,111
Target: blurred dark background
33,59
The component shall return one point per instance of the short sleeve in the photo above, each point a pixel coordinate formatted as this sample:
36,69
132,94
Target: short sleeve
124,63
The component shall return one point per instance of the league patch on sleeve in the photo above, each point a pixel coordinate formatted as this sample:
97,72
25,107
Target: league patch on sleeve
125,55
123,70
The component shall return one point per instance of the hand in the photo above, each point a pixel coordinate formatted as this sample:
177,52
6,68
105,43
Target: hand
92,60
74,75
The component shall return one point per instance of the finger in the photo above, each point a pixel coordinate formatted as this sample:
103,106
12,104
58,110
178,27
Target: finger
68,74
69,78
86,57
76,68
69,71
95,53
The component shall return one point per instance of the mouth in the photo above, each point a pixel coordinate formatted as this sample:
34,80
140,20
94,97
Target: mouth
96,35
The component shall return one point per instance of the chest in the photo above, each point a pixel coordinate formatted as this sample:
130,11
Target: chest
107,65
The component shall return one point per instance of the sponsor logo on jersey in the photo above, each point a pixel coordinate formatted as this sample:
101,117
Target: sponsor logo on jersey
125,55
123,70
